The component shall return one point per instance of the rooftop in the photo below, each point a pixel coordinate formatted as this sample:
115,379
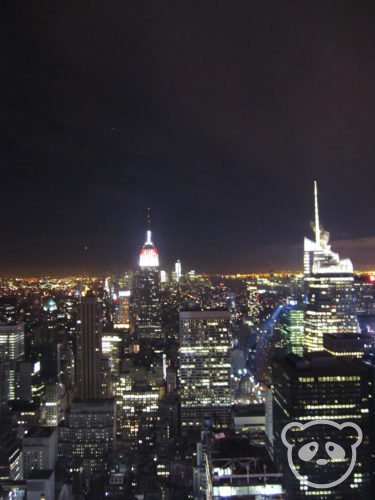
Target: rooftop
40,432
349,336
251,410
205,314
318,363
238,456
40,474
93,404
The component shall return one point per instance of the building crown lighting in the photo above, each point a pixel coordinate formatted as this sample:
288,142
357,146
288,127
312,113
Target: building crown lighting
149,256
319,257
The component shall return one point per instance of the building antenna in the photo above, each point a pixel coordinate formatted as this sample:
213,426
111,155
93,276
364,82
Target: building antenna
149,226
317,226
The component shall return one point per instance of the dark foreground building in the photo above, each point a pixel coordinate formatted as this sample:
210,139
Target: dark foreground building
323,389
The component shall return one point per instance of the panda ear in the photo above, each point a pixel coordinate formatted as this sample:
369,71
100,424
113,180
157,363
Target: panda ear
353,432
288,430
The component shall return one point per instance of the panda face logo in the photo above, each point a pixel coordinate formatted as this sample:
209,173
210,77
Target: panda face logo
306,452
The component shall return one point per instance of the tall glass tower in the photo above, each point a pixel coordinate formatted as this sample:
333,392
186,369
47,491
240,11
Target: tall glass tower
291,326
330,297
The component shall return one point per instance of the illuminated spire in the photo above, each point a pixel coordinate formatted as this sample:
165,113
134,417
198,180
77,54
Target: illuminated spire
317,225
149,253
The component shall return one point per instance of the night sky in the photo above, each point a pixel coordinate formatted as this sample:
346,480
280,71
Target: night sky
218,115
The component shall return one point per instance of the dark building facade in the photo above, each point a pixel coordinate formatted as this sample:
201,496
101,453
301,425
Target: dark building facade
89,349
146,301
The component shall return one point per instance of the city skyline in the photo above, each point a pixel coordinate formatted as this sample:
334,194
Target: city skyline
219,118
187,253
292,254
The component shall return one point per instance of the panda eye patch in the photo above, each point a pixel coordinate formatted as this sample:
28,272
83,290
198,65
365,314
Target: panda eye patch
335,451
308,451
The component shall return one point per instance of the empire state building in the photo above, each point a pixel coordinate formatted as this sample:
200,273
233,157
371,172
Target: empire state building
147,292
149,256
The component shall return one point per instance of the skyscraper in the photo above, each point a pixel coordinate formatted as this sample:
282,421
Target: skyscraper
178,270
146,296
205,345
137,406
329,280
122,314
291,330
12,349
89,349
321,388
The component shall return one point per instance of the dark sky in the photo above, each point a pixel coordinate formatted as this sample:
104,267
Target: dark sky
218,115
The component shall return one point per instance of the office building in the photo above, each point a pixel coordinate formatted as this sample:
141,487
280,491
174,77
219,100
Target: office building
53,403
88,432
39,446
122,313
178,271
147,304
253,304
205,370
138,390
352,345
41,485
89,349
329,284
50,360
111,351
163,279
320,386
29,383
9,310
12,349
137,405
291,327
